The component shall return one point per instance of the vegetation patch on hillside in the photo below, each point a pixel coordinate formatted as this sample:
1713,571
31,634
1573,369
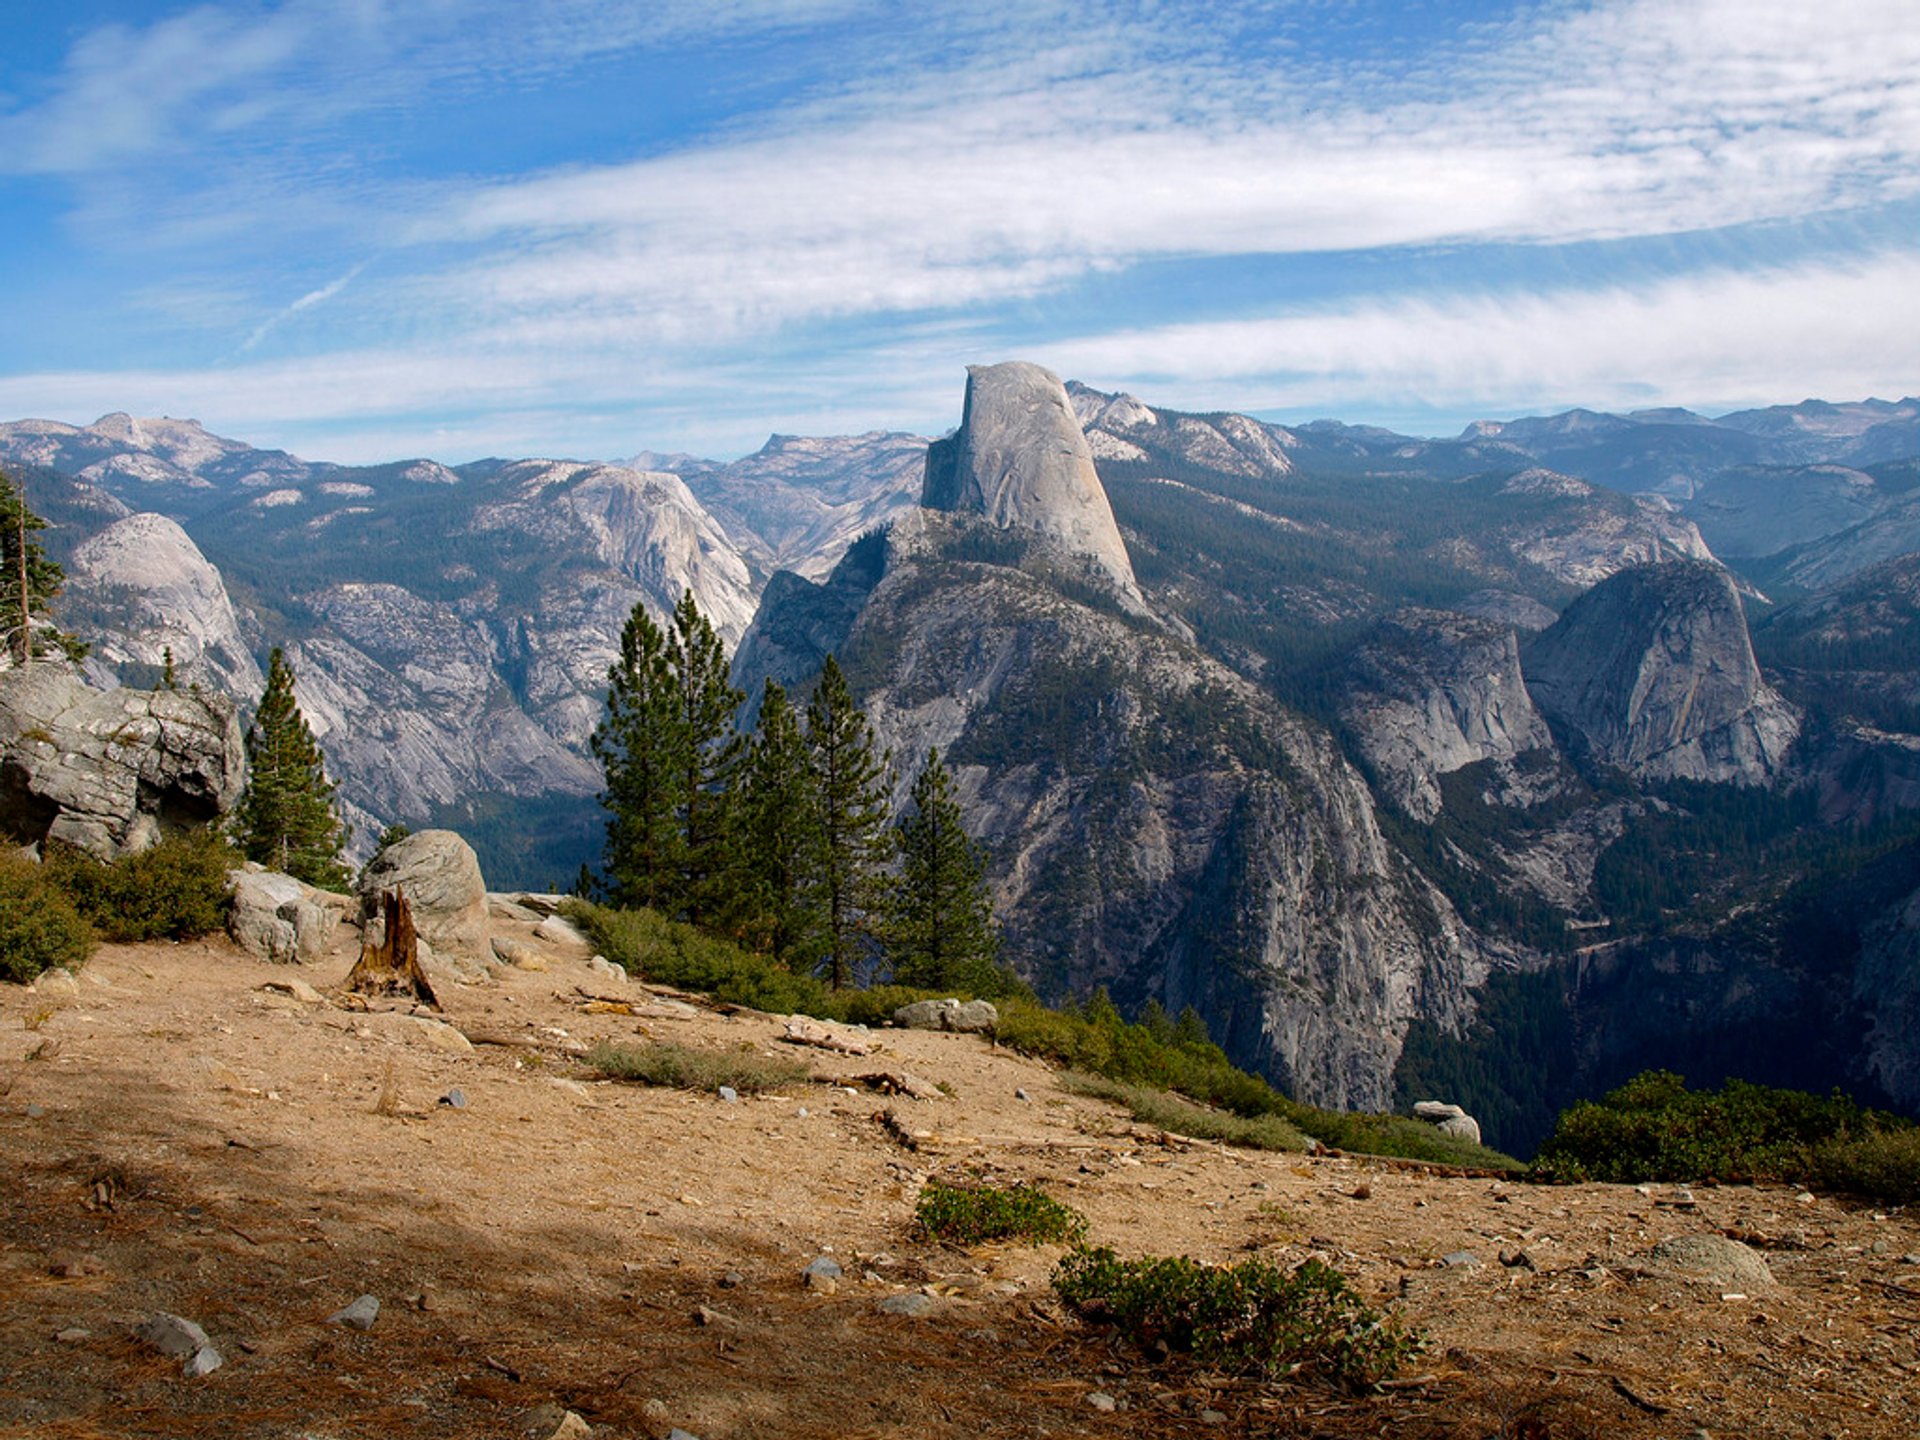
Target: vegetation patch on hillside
1155,1053
968,1215
684,1067
1655,1128
1247,1319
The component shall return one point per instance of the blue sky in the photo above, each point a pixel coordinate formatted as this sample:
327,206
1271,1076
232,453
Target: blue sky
364,230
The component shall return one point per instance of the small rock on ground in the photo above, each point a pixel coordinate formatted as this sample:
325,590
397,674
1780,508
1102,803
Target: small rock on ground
913,1305
360,1315
1103,1402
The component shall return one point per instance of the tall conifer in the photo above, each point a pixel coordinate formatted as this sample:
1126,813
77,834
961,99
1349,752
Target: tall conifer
708,759
780,838
286,818
28,583
939,915
851,784
638,746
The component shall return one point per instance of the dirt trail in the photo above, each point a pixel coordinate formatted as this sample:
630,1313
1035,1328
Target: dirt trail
175,1137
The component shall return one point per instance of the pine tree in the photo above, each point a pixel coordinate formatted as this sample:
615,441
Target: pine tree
638,746
780,839
939,926
286,818
708,759
28,583
851,783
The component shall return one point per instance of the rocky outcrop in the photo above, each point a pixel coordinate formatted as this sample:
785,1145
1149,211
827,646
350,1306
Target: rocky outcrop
149,591
111,771
1429,692
1887,985
1021,460
281,919
1652,672
440,877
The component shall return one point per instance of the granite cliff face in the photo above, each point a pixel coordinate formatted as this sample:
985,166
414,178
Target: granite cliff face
1021,460
1157,823
1432,691
147,590
1652,672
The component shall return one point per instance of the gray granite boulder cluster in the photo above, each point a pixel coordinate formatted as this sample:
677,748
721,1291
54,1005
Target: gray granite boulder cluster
281,919
970,1017
111,771
1448,1119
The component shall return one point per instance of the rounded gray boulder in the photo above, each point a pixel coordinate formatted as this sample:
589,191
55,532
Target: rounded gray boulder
440,876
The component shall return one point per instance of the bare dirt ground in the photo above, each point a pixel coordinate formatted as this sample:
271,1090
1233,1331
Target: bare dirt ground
175,1137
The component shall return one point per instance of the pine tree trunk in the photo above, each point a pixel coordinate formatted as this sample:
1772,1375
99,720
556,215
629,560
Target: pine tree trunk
392,967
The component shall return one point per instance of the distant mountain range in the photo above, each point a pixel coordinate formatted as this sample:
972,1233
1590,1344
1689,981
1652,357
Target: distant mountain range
1355,741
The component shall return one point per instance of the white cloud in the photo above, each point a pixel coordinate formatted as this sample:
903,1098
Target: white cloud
1717,340
951,190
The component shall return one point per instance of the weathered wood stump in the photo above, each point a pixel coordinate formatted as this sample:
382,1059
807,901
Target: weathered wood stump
392,967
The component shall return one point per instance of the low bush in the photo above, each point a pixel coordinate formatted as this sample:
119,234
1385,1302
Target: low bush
1249,1319
1654,1128
39,926
1181,1116
682,1067
175,890
968,1215
1882,1164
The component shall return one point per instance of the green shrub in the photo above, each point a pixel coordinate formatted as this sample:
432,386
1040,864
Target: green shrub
177,889
1882,1164
1180,1116
967,1215
39,926
1251,1318
682,1067
1654,1128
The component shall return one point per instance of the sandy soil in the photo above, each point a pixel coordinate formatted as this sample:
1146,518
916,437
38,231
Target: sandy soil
177,1137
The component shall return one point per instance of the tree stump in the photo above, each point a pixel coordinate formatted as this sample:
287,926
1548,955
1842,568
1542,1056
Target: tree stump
392,967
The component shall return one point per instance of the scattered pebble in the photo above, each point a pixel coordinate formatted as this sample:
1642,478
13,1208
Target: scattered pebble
34,1112
360,1315
729,1094
72,1335
1103,1402
1021,1095
1461,1260
914,1305
1213,1417
732,1280
455,1098
823,1275
174,1335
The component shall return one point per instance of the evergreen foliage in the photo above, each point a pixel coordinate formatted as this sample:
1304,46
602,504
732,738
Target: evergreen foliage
708,755
286,819
850,782
780,839
29,581
176,889
1655,1128
40,927
638,744
939,916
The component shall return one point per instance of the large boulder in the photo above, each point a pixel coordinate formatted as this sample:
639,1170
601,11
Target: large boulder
281,919
970,1017
440,876
111,771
